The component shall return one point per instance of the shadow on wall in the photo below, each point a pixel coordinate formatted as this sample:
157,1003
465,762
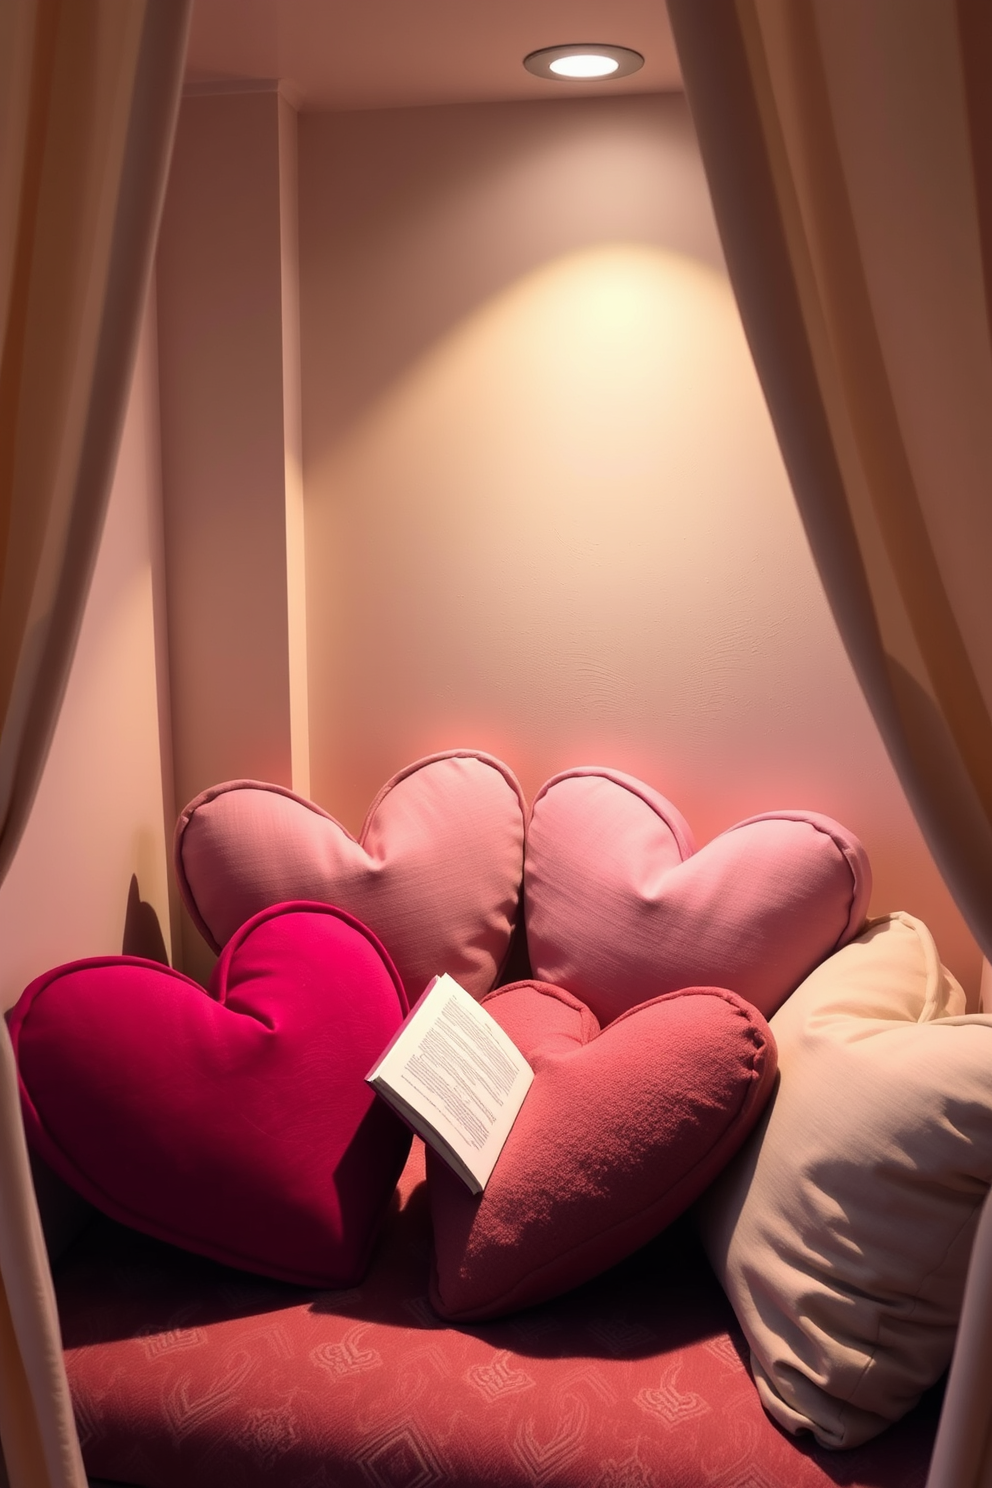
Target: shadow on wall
63,1212
142,930
413,219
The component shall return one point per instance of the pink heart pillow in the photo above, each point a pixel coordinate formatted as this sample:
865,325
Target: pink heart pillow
235,1123
621,908
435,872
621,1130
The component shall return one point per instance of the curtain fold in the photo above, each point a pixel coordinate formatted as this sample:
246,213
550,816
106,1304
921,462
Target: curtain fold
89,92
848,147
851,196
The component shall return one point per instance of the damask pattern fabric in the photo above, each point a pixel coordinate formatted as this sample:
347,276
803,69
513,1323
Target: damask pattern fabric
188,1375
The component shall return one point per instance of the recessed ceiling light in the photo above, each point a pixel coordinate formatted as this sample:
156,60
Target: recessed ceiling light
583,60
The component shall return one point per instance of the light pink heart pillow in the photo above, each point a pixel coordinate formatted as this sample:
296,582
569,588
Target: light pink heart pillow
620,907
236,1123
621,1130
435,872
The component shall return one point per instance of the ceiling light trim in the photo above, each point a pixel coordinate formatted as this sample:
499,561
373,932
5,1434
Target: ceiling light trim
627,60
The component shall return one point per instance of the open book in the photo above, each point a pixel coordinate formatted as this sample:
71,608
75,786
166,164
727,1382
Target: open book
456,1078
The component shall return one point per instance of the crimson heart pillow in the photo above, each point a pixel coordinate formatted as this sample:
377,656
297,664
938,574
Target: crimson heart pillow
236,1123
620,907
435,871
622,1128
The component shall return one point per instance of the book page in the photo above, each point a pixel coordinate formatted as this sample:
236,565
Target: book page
454,1066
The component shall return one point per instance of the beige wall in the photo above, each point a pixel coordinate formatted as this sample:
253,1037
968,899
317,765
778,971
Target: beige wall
99,816
545,510
226,281
232,491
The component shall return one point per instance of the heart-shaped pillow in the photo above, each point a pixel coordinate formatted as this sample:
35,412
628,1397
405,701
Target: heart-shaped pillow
237,1124
620,907
435,872
621,1130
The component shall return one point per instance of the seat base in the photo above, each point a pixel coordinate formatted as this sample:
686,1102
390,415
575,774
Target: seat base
186,1374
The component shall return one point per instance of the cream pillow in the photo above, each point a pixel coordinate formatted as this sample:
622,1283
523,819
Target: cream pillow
841,1232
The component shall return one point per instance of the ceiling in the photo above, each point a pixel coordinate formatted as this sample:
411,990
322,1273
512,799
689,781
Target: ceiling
365,54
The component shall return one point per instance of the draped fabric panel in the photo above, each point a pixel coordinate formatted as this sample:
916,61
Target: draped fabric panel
852,180
848,146
89,91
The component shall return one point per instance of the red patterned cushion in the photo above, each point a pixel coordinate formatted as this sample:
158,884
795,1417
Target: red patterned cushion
621,1130
187,1375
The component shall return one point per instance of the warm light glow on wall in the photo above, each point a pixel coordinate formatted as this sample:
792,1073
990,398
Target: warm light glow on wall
583,478
546,512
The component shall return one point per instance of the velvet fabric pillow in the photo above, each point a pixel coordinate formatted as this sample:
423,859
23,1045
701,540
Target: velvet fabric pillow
843,1229
235,1123
435,872
621,1130
620,907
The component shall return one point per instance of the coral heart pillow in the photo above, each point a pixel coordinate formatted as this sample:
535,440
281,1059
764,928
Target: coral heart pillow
237,1124
435,871
621,908
621,1130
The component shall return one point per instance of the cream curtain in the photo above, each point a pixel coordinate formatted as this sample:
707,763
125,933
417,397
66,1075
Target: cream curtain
89,91
848,145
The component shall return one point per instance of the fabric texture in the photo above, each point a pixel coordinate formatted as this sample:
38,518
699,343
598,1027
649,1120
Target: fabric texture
88,102
843,1229
621,908
435,871
621,1130
237,1123
187,1375
858,238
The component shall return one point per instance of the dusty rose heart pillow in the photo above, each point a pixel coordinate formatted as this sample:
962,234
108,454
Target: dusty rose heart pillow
236,1123
620,907
435,871
621,1130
